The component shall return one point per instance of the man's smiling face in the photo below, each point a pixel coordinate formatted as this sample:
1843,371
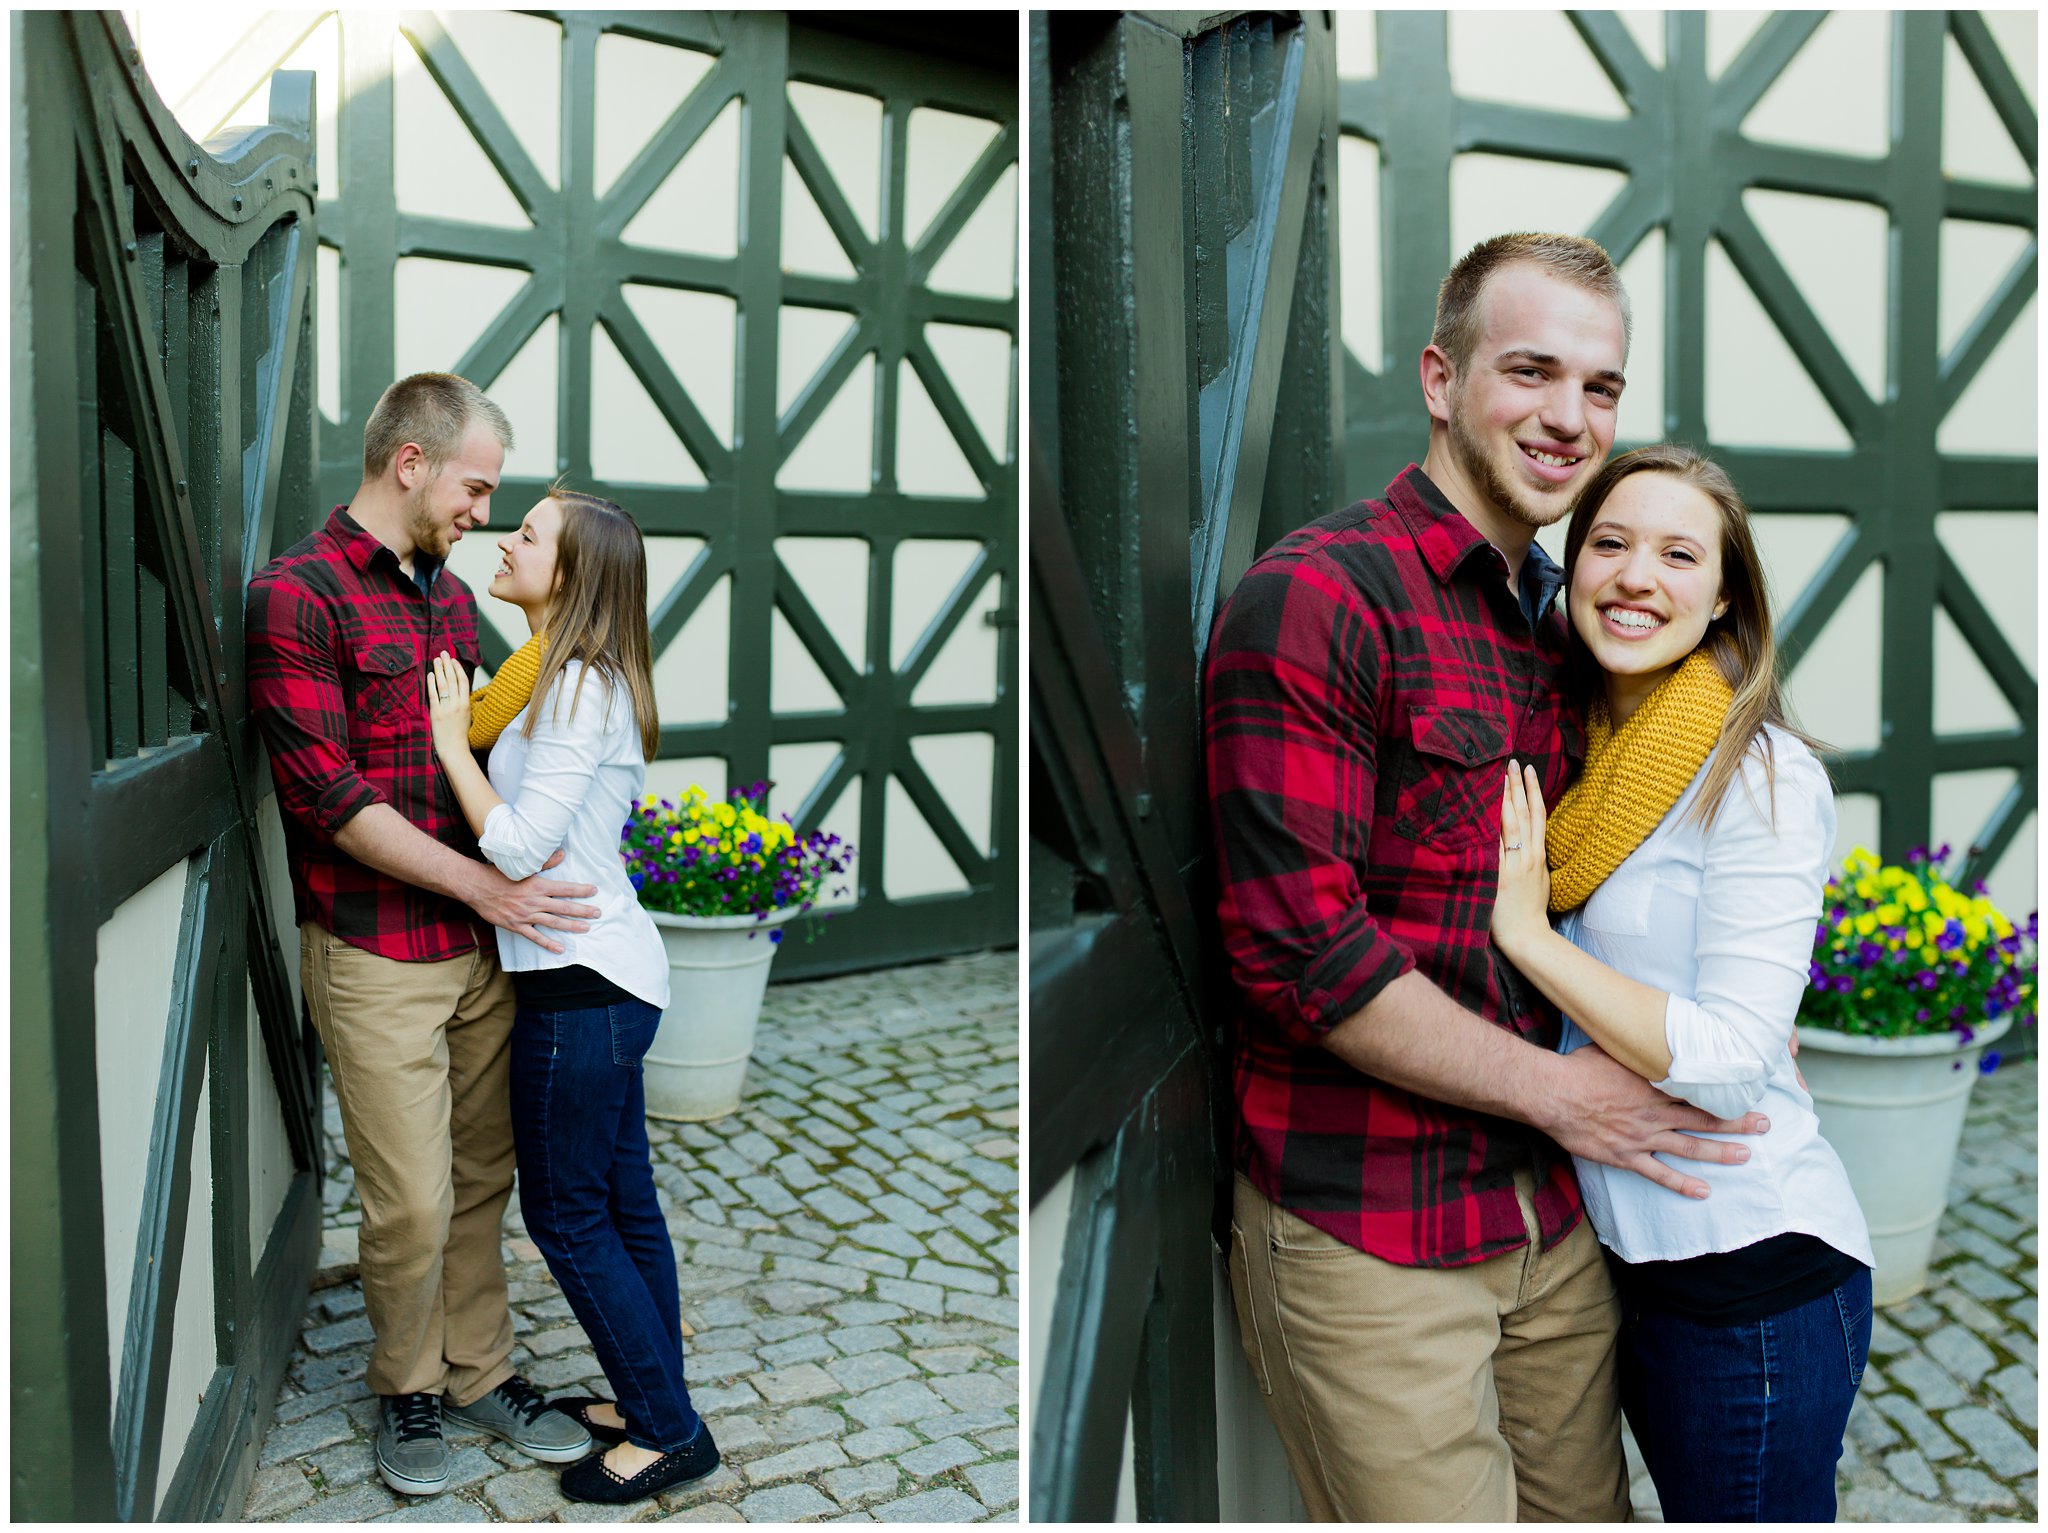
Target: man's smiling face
441,508
1532,414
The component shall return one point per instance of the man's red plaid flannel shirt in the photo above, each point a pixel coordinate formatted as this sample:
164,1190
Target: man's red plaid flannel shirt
339,637
1369,678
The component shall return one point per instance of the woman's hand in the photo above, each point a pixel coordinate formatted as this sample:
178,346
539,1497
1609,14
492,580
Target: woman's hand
448,705
1521,905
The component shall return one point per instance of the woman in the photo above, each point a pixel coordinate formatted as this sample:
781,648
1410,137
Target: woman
1689,859
565,773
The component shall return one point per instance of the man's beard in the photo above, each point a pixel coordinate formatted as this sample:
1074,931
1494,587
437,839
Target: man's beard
1516,500
428,535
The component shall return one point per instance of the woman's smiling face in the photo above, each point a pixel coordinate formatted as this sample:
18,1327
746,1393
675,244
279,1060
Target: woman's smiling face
1646,583
527,577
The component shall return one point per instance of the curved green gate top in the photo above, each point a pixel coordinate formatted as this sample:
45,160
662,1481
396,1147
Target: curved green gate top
1688,165
162,414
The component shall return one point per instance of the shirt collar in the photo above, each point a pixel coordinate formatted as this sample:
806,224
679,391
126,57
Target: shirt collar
1542,578
1446,540
362,549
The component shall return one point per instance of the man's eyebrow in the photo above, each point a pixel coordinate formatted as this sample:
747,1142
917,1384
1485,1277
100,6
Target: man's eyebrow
1545,359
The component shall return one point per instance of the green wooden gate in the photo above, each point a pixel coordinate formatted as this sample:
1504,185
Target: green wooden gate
162,414
577,258
1185,370
1688,165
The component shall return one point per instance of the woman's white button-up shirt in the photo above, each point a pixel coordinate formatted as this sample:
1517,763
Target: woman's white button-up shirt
1723,922
573,786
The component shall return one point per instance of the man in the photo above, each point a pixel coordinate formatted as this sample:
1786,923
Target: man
400,975
1420,1297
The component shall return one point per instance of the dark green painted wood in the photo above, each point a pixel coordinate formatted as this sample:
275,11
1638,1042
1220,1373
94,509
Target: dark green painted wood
145,464
61,1451
1688,165
577,263
1184,395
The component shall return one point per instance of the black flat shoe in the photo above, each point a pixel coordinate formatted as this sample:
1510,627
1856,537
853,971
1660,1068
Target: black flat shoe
592,1480
577,1409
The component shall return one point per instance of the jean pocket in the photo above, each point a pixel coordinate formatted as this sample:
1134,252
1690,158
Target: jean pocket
633,1027
1248,1333
1853,1302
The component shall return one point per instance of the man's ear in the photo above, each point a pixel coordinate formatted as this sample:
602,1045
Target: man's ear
1437,380
411,463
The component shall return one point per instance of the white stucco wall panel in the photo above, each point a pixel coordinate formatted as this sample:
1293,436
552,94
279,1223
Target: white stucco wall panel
137,959
2000,410
269,1149
846,129
1490,53
631,441
640,83
837,454
692,677
192,1334
696,209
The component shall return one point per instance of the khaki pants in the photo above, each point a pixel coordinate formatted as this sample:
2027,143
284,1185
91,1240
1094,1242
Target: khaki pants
419,1056
1420,1394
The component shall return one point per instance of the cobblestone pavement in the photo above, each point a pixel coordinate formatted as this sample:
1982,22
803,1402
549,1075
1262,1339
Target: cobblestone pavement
847,1246
1944,1427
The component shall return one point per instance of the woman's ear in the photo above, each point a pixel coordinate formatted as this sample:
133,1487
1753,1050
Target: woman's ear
1721,607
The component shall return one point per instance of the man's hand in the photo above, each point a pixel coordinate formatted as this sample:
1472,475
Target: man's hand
532,903
1606,1112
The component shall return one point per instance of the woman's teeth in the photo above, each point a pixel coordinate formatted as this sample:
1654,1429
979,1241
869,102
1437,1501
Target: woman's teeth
1622,618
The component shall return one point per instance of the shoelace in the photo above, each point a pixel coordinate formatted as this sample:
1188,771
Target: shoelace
524,1400
418,1416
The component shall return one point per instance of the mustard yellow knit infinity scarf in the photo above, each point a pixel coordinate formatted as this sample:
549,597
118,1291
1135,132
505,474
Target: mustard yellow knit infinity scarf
1632,778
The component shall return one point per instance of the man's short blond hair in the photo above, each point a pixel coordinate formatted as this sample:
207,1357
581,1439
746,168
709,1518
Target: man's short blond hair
1570,256
434,411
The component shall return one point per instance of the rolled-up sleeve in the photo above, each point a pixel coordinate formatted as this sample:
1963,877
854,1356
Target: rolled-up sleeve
1292,691
296,695
520,835
1760,895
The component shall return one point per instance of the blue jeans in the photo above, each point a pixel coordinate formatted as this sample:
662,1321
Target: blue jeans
586,1187
1743,1423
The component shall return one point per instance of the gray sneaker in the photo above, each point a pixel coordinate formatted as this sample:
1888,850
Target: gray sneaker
411,1453
518,1413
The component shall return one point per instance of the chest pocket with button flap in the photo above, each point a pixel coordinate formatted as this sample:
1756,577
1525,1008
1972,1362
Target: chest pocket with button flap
1451,778
386,679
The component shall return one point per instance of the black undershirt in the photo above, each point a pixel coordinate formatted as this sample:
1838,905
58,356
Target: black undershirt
1736,1287
577,987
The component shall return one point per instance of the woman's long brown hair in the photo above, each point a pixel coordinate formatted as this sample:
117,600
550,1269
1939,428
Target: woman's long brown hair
1739,642
598,613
